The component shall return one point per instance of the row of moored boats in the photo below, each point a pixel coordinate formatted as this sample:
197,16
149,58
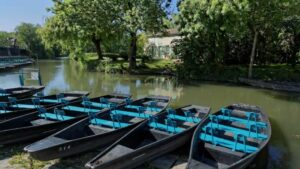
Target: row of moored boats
128,132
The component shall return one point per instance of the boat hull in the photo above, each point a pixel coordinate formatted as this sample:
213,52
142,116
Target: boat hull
76,94
79,146
148,153
32,90
24,134
245,162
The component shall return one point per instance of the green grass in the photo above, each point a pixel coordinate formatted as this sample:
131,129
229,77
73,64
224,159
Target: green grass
122,66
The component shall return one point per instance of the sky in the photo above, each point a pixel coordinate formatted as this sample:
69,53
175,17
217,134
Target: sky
14,12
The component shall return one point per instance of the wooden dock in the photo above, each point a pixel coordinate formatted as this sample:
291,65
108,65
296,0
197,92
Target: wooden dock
9,62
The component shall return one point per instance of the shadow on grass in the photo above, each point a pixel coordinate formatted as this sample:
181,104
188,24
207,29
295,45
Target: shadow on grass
17,158
74,162
10,151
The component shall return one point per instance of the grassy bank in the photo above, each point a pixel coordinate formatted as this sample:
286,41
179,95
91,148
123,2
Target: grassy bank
232,73
274,72
119,65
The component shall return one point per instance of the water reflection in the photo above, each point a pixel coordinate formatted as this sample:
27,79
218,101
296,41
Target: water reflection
283,108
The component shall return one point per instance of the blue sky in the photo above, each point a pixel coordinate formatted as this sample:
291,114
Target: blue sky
14,12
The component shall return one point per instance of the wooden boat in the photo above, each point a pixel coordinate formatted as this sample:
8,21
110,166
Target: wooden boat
19,92
97,131
273,85
230,138
15,108
151,139
45,122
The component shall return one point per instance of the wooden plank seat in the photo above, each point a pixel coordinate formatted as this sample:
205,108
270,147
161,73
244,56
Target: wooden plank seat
165,127
188,116
57,115
247,133
252,118
95,104
25,106
169,126
131,114
108,123
233,145
80,109
141,108
184,118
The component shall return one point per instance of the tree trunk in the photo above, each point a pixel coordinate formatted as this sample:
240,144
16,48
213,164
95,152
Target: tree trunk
252,54
295,49
133,51
97,43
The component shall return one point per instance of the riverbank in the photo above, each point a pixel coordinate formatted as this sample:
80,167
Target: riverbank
218,73
120,65
280,72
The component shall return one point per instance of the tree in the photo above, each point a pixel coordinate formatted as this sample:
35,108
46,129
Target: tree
77,23
4,38
140,16
27,37
217,29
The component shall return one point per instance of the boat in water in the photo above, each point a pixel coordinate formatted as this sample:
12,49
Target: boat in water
19,92
230,138
14,107
99,130
47,121
151,139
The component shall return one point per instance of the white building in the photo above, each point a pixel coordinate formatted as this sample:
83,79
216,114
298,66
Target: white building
160,45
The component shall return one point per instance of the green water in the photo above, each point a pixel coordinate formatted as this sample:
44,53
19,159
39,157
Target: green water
283,108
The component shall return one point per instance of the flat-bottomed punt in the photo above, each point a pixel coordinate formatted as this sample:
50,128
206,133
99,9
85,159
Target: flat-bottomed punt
45,122
230,138
19,92
153,138
97,131
15,107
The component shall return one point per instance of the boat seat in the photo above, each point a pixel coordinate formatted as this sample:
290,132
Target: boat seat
240,120
80,109
58,117
41,122
131,114
189,117
25,106
233,145
184,118
138,108
108,123
247,133
165,127
251,117
50,101
95,104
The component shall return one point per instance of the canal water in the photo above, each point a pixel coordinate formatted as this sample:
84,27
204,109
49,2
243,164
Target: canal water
282,108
